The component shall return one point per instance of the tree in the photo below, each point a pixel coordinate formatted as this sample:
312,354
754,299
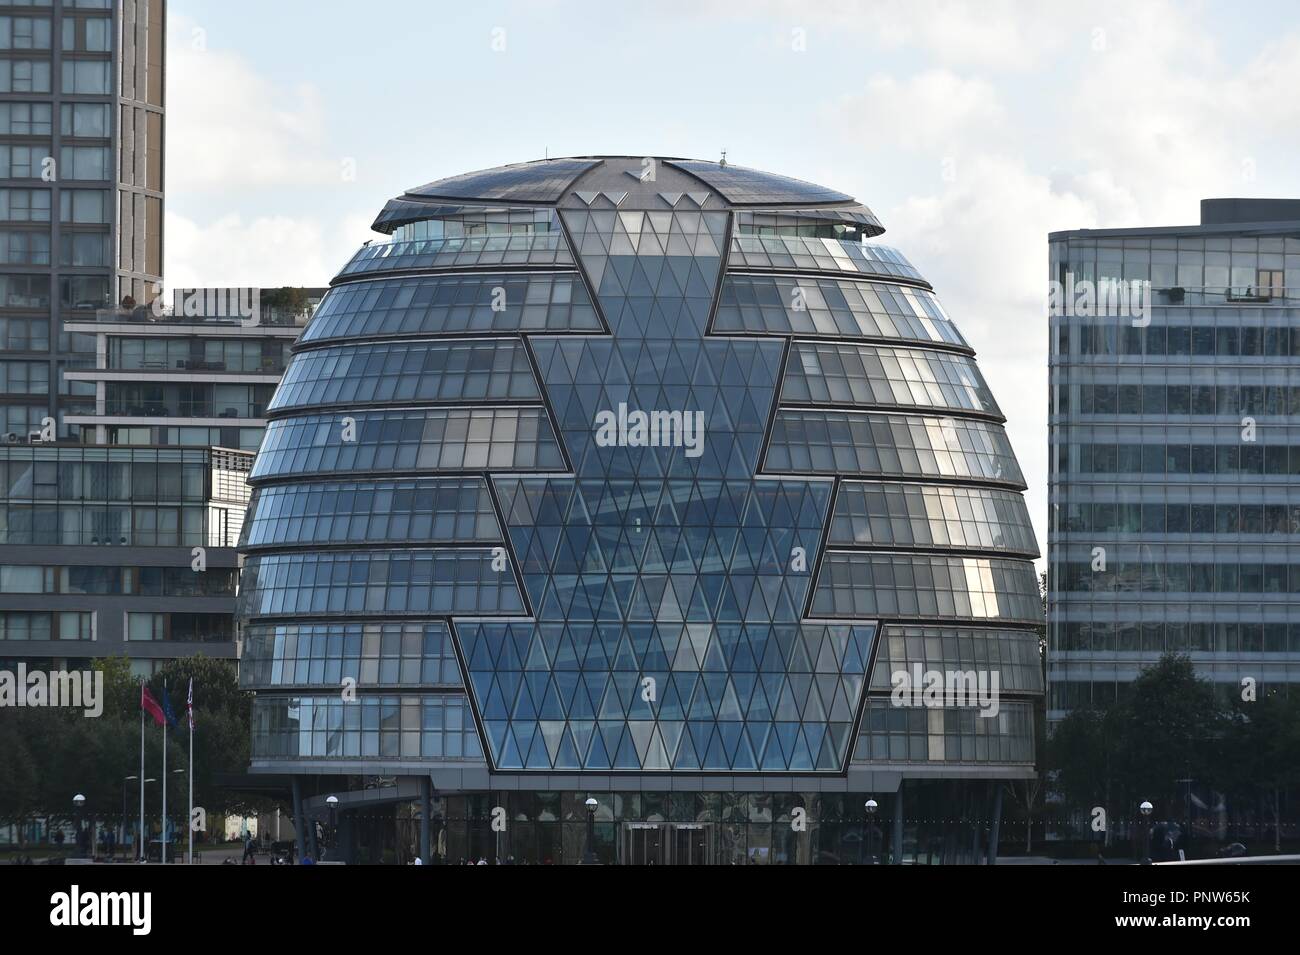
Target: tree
1260,755
1172,726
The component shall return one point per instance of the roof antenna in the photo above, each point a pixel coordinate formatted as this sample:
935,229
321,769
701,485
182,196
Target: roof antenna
547,152
723,160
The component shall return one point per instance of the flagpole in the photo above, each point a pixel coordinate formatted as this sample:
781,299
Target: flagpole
139,836
189,819
163,851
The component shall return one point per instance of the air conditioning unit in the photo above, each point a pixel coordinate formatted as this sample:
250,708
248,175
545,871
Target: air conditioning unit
13,437
34,437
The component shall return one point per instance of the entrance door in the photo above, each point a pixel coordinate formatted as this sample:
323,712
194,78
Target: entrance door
691,844
643,844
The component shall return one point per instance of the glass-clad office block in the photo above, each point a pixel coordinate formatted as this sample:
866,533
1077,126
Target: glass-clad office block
659,451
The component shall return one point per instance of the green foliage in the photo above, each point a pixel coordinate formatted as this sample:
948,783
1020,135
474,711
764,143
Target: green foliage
49,754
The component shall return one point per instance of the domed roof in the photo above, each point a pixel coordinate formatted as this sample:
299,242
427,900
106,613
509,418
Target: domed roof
545,181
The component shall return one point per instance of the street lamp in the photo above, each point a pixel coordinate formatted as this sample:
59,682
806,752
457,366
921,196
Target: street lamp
79,800
589,857
873,831
121,834
333,803
1146,809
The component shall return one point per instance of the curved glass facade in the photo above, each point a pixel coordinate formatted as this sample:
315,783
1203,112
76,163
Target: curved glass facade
372,512
835,308
459,371
454,305
434,439
654,506
876,375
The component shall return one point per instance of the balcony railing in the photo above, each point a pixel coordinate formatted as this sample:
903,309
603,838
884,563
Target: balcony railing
144,315
183,409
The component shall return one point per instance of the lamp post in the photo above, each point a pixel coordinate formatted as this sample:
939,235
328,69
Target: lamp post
589,857
1146,809
873,831
79,800
122,827
333,803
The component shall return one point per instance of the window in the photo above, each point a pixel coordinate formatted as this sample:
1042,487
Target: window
24,378
84,205
24,76
86,76
25,119
24,334
22,162
25,205
24,248
84,119
84,291
84,249
84,162
24,33
90,35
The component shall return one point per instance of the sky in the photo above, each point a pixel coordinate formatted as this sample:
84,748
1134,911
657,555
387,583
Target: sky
971,129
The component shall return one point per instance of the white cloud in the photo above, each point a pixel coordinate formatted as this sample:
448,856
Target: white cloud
266,251
934,109
229,126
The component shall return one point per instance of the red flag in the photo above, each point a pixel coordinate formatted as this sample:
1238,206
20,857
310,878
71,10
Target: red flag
189,704
150,705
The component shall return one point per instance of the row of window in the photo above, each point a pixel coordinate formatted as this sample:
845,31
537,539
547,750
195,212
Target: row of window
1077,694
109,526
1168,518
91,120
463,581
1220,577
197,354
378,727
411,371
91,474
878,375
850,442
373,654
915,585
42,625
82,249
86,77
1014,654
781,305
1162,399
820,254
930,516
496,222
932,735
1209,332
447,509
75,291
80,34
433,439
138,581
1167,636
75,162
180,627
1179,459
462,252
455,304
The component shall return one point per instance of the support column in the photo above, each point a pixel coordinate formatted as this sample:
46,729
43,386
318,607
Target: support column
426,811
299,823
898,825
996,823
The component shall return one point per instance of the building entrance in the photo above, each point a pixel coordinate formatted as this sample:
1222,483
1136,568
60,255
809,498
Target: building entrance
654,843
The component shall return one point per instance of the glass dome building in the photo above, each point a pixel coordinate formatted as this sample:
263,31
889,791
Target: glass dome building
652,480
